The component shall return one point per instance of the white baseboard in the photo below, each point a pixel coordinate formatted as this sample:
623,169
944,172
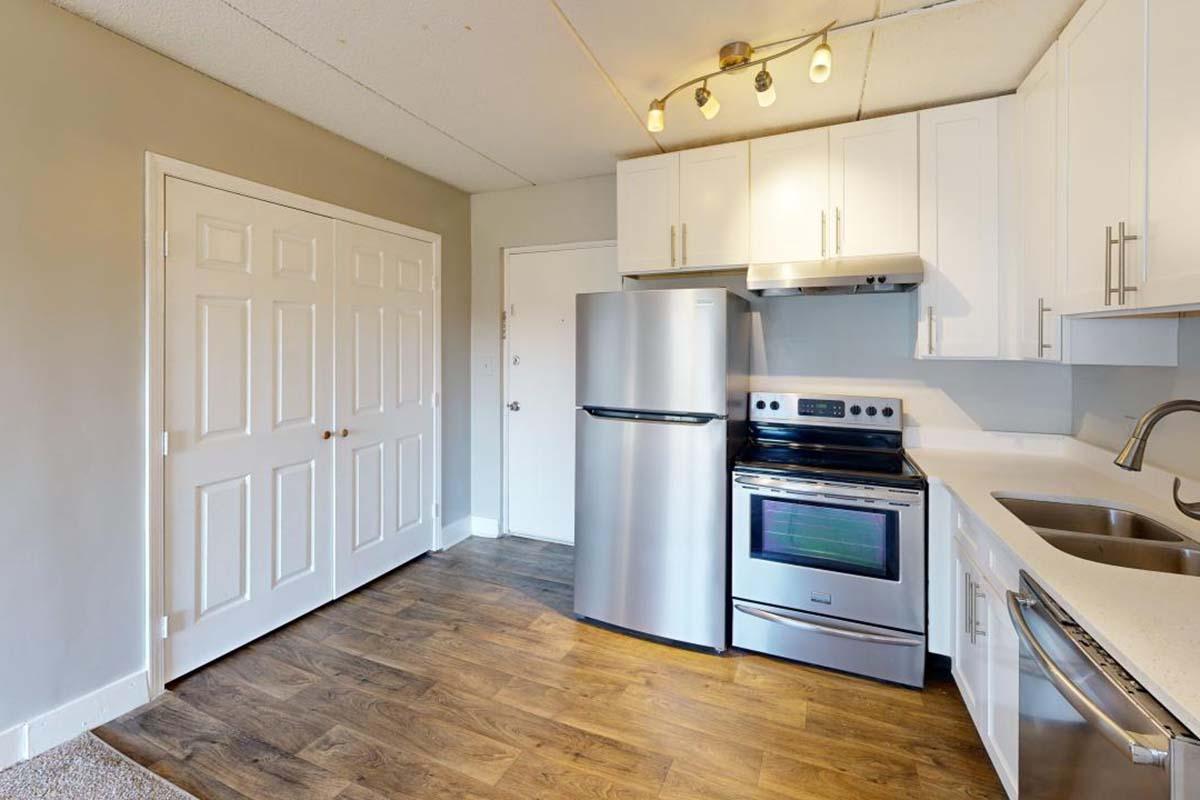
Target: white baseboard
73,718
456,532
484,526
14,744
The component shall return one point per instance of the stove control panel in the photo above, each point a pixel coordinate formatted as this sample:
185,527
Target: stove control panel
831,410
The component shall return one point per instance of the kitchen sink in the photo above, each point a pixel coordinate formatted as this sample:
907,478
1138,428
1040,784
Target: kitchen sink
1107,535
1047,516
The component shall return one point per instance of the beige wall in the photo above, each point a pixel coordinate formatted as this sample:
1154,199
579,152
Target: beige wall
80,106
575,211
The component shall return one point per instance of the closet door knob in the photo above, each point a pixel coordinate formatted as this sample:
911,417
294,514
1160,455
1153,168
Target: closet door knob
345,432
327,435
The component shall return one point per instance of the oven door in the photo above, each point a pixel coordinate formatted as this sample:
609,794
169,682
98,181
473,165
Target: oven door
848,551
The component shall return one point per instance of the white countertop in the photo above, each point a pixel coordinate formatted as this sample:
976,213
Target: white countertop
1148,621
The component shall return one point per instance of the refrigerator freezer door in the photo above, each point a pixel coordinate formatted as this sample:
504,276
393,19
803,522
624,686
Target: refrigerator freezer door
650,542
659,350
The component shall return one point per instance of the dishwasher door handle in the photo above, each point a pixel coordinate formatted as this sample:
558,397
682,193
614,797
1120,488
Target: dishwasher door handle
1136,747
828,630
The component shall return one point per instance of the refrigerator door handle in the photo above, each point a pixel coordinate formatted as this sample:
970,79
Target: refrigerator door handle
650,416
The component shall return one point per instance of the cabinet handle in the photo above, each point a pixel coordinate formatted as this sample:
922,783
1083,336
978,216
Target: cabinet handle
976,596
824,232
968,623
1109,289
837,230
672,245
929,329
1042,309
1122,287
685,244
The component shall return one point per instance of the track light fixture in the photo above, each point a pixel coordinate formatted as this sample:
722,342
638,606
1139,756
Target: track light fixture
706,101
821,65
764,87
737,56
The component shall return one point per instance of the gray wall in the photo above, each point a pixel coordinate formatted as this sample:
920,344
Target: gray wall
834,344
574,211
80,108
1108,400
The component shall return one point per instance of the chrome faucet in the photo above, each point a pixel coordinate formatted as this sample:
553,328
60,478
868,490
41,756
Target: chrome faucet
1131,454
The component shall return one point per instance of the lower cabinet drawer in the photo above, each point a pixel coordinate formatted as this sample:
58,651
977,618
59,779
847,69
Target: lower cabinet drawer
848,646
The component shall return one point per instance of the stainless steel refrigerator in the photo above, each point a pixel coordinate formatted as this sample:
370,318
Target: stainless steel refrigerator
661,391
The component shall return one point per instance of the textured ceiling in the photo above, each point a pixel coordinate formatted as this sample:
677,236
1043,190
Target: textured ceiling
490,95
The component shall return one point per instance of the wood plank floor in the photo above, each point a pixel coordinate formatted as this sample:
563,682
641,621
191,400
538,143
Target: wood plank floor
464,675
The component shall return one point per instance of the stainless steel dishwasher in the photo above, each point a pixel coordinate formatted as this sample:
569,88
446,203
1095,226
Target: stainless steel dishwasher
1088,729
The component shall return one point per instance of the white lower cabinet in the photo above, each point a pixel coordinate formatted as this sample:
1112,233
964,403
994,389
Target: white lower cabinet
984,661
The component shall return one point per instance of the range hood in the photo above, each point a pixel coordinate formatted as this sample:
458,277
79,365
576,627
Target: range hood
859,275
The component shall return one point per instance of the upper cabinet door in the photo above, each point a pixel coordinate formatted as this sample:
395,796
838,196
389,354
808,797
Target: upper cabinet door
1102,149
1172,274
1037,310
959,240
648,214
873,186
714,206
789,197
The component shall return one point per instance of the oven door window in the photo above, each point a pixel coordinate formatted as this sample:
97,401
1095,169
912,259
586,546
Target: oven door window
849,539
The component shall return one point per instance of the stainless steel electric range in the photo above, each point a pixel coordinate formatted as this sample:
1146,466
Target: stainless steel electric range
829,537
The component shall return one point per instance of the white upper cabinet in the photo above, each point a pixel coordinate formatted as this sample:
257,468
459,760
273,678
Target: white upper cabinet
873,186
960,296
789,197
1036,315
648,213
1172,275
1102,149
714,206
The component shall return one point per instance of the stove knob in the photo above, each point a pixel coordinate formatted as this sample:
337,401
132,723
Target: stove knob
760,405
888,412
872,411
774,405
855,410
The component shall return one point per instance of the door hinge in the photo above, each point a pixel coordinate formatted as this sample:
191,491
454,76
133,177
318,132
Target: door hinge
164,625
166,243
503,325
436,399
166,443
437,279
436,510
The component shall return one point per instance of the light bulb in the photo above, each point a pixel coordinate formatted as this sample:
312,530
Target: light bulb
764,88
707,102
821,65
656,116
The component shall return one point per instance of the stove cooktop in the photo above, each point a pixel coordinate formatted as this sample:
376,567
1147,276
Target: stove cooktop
828,437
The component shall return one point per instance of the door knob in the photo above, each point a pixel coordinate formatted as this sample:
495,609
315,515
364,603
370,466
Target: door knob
327,435
345,432
514,406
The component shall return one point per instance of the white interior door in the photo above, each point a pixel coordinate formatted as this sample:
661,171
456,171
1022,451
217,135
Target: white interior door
386,420
248,389
540,383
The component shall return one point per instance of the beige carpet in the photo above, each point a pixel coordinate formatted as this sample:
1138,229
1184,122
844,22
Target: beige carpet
84,768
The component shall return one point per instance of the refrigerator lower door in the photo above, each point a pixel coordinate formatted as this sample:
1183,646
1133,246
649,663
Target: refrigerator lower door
650,525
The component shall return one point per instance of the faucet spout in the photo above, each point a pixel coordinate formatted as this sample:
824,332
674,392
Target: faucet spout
1131,454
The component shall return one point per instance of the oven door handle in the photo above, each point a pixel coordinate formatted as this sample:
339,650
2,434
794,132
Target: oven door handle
819,494
828,630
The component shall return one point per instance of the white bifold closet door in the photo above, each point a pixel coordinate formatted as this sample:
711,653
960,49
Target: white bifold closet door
258,478
385,412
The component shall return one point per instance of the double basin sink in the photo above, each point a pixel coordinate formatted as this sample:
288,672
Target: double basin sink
1107,535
